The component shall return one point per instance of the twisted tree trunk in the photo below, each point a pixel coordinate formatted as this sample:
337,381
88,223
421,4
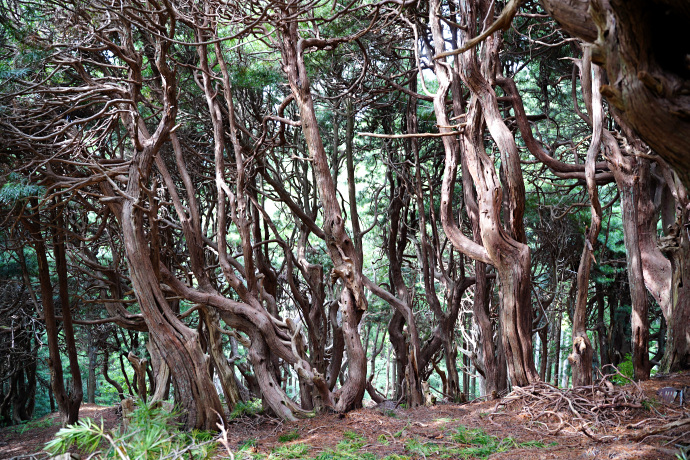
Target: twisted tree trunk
341,249
505,249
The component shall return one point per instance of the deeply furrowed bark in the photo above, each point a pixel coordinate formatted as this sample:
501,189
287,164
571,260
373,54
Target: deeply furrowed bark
178,344
626,172
676,245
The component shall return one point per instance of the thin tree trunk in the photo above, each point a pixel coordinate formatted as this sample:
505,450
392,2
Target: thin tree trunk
341,248
220,362
106,366
91,381
602,333
544,351
557,349
581,356
67,403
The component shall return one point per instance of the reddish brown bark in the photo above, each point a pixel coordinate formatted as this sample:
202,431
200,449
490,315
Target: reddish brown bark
503,248
626,172
68,400
641,46
581,356
676,245
341,249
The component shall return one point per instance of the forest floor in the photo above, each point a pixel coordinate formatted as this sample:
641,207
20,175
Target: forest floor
27,441
524,425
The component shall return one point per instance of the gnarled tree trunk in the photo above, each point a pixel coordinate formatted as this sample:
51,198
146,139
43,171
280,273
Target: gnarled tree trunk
643,48
505,248
341,248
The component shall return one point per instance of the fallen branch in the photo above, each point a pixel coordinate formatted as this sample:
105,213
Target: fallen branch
661,429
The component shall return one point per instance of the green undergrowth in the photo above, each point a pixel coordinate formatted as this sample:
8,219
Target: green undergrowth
152,433
249,409
470,443
33,424
289,436
458,443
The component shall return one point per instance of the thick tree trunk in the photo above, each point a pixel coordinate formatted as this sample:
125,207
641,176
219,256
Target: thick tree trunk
480,308
161,373
179,345
626,172
350,395
639,43
271,392
642,46
505,249
677,245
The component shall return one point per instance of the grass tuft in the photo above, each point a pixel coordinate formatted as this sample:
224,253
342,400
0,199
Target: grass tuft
289,436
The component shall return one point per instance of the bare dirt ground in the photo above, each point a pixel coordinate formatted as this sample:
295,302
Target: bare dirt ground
432,432
28,440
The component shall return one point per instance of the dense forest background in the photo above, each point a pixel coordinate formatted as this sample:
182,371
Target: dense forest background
305,204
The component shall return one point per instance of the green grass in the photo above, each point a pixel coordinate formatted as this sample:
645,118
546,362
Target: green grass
289,436
248,443
152,433
347,448
353,436
249,409
33,424
472,443
299,450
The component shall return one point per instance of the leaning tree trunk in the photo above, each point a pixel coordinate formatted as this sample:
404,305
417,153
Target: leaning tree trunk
179,345
643,48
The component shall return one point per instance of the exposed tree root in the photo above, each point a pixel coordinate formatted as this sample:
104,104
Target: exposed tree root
591,410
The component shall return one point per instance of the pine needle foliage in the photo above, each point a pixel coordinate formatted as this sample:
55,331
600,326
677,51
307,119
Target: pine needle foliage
151,434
